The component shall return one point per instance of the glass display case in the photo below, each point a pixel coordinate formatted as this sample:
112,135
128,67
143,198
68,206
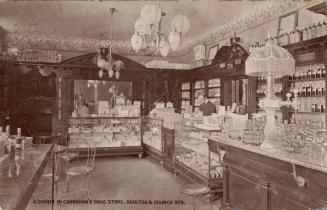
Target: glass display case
191,157
114,135
152,136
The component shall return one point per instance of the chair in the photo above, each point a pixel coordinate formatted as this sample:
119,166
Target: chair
85,169
193,189
72,150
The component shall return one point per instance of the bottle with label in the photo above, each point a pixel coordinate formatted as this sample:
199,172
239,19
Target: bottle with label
304,89
309,73
286,39
298,35
305,34
313,89
309,89
291,35
314,72
323,92
313,31
323,71
322,105
318,29
313,107
296,76
318,73
309,32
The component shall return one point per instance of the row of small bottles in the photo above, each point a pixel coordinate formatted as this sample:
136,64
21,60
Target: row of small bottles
309,72
263,80
314,88
261,90
312,31
311,105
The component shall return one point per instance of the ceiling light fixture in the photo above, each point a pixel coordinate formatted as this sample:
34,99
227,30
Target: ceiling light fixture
105,61
148,36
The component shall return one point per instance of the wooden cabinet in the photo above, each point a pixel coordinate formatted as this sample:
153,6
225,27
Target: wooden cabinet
256,181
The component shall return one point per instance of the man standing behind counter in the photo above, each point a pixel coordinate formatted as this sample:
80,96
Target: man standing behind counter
207,108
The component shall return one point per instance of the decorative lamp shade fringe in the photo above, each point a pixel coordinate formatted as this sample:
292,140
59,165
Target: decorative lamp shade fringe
270,60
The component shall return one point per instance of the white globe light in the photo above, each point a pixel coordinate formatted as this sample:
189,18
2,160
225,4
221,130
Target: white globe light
101,73
164,47
180,24
110,73
150,14
136,42
117,74
174,39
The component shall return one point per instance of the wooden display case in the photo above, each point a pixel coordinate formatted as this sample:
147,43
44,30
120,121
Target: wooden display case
113,135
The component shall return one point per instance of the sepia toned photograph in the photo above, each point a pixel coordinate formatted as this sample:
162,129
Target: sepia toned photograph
163,105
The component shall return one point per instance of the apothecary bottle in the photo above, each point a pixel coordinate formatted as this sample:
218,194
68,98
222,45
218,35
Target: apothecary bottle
286,39
313,31
323,71
305,34
297,35
319,31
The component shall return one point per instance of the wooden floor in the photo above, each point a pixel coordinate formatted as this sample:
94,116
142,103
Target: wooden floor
124,180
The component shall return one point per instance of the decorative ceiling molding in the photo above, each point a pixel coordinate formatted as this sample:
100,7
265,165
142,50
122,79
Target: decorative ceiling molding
245,21
242,22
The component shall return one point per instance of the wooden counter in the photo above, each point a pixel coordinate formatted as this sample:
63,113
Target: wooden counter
16,191
256,179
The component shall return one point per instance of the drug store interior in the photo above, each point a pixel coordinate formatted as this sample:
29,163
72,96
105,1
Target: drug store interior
163,105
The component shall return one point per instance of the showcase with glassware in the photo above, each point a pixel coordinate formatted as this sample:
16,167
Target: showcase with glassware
152,137
191,156
113,135
104,113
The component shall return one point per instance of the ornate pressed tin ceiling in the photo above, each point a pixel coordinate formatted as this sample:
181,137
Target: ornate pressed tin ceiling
84,26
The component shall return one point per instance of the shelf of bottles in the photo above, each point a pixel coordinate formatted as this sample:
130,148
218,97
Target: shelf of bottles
214,91
192,152
152,133
106,131
199,90
297,35
310,83
186,95
262,87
